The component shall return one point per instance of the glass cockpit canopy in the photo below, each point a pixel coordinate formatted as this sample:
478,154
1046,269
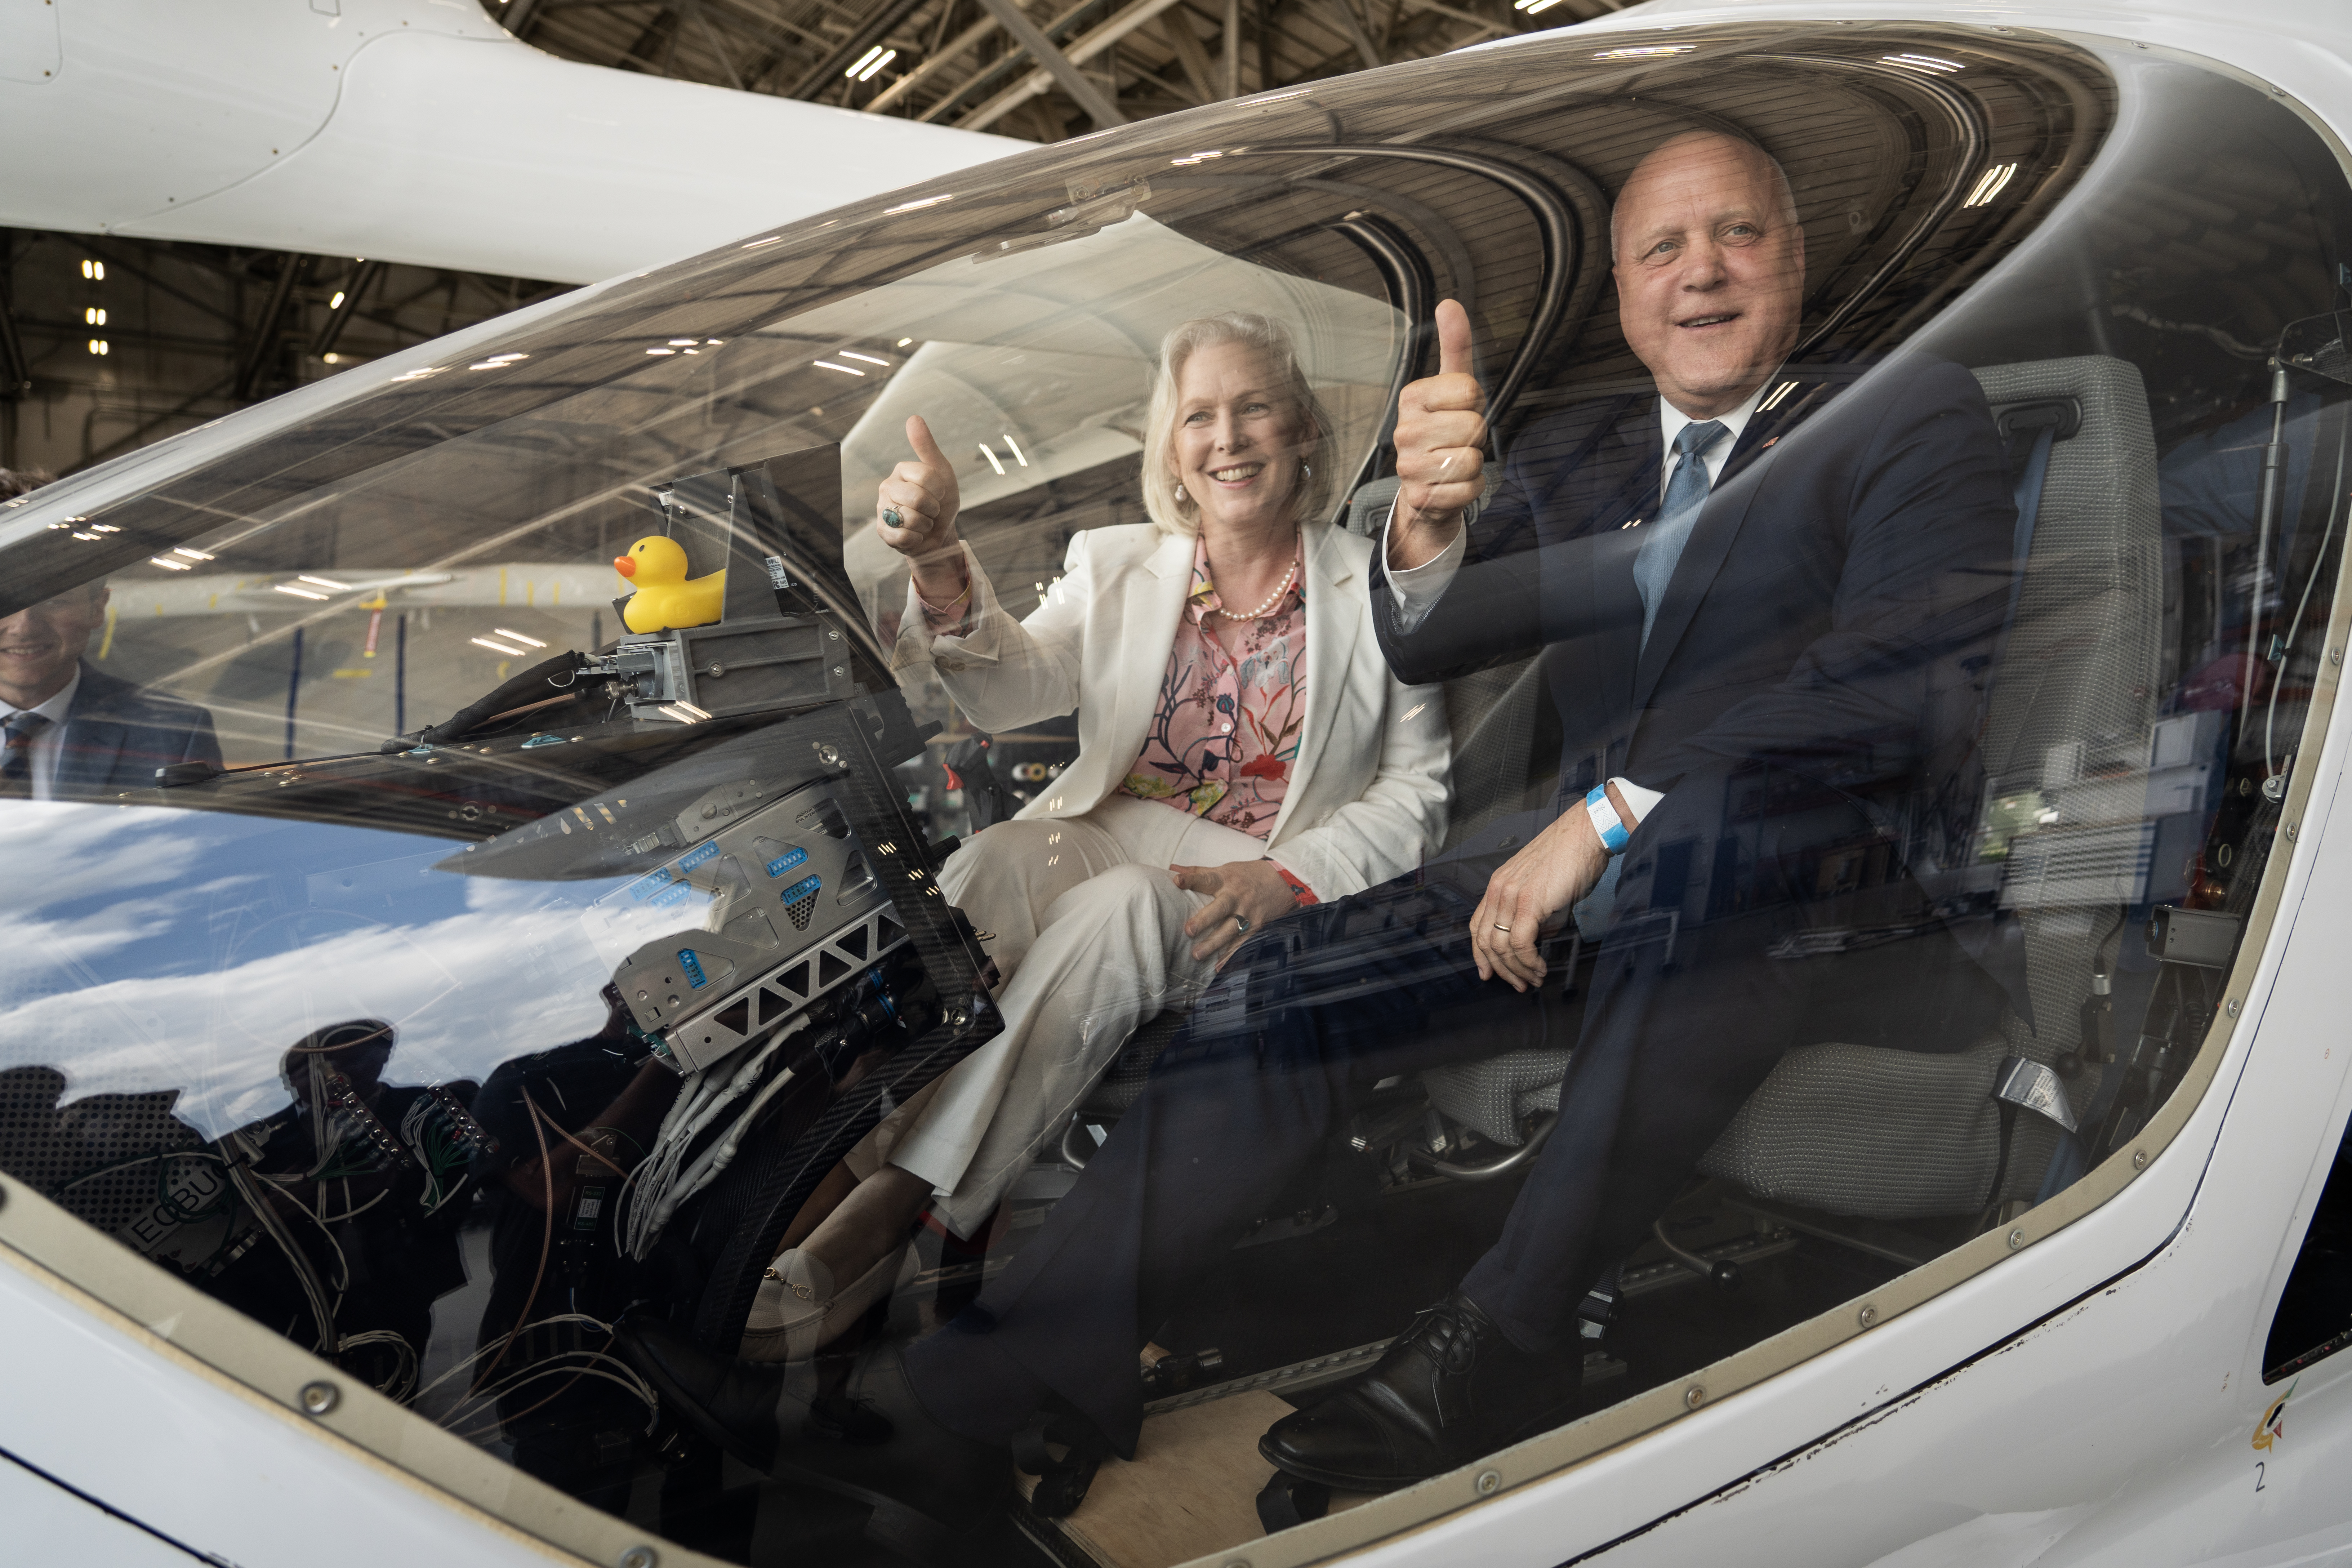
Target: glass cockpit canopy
443,928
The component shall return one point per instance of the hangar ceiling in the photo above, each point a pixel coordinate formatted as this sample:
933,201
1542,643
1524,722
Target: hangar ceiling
107,343
956,62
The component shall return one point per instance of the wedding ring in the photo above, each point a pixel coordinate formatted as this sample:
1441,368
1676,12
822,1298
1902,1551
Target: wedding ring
1501,927
1241,924
891,518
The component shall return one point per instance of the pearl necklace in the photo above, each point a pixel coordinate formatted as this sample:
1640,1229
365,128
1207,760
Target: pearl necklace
1271,599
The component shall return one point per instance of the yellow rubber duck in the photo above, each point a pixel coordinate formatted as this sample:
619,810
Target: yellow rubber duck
665,601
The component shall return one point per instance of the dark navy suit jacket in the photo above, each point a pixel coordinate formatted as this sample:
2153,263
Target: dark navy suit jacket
118,734
1834,611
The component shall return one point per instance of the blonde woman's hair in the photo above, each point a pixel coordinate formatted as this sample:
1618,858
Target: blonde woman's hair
1271,338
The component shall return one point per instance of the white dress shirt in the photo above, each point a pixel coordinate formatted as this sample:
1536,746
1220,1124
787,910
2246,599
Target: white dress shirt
48,745
1417,588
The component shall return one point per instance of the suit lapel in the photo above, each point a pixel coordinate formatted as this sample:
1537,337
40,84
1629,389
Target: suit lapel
1151,603
1615,602
91,741
1334,618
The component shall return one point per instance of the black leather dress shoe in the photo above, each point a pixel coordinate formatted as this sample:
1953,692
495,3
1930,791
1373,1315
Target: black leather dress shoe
930,1490
1451,1389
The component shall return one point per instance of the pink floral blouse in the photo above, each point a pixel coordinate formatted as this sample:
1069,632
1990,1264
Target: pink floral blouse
1225,733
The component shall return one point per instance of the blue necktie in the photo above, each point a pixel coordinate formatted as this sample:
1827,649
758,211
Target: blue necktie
1653,564
17,754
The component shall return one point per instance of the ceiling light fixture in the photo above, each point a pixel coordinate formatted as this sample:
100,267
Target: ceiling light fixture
299,592
845,370
1990,184
169,564
517,637
323,583
496,647
992,458
869,359
1015,445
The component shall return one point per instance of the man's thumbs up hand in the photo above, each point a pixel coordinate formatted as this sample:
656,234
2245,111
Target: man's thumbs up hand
1441,437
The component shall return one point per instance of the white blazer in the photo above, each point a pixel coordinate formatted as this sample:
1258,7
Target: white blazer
1366,800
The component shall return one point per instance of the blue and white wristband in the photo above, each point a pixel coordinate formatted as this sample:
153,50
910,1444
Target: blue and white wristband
1605,820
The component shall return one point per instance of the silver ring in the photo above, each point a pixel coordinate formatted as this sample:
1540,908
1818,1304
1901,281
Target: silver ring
890,517
1241,924
1501,927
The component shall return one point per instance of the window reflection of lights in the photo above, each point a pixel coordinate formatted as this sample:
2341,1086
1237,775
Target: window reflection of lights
496,647
100,346
95,270
1935,63
322,582
911,206
1644,52
93,317
869,359
332,358
1015,447
169,564
867,59
337,302
684,713
661,351
875,66
421,373
105,528
992,458
714,343
1779,395
300,592
1991,184
517,637
845,370
191,554
88,538
683,342
904,342
755,244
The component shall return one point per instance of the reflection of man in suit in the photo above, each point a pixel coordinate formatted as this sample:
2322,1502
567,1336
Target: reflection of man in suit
1760,636
70,730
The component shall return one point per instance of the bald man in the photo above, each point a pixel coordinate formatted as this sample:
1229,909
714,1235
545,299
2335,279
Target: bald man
1763,609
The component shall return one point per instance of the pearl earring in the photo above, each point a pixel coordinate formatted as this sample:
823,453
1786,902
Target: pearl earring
1306,468
1180,494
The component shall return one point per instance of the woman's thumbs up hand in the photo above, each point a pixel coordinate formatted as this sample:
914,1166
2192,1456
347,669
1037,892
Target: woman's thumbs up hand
914,507
1441,438
915,514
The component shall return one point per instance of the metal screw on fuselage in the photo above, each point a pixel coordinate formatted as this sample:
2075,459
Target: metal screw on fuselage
317,1398
2140,1159
639,1557
1694,1396
1489,1483
827,752
1867,1317
2016,1240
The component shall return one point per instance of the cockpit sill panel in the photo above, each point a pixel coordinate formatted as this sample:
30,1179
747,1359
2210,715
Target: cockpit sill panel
67,1255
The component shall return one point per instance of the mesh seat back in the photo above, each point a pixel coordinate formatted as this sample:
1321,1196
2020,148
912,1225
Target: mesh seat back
1891,1134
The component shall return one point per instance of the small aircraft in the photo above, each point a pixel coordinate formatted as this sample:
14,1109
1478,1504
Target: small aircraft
416,978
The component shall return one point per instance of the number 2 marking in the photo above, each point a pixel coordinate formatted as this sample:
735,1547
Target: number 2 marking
2258,1475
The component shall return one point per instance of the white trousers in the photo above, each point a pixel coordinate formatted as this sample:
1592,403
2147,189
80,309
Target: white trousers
1087,927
